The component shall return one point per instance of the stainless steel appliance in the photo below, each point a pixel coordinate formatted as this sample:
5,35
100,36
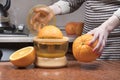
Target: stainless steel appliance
6,27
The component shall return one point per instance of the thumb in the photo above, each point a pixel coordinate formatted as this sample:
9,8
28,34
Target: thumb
90,32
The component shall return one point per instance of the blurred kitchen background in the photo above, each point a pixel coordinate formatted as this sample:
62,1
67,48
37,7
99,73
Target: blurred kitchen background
18,16
19,10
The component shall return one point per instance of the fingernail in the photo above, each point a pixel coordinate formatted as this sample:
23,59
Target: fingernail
94,50
89,44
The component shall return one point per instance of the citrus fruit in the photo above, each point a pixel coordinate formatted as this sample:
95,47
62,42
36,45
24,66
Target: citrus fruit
70,28
82,51
79,28
49,32
23,57
74,28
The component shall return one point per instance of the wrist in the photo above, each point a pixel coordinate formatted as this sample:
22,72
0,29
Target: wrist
111,23
56,9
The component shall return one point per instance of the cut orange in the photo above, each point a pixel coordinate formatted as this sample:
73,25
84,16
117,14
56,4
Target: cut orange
23,57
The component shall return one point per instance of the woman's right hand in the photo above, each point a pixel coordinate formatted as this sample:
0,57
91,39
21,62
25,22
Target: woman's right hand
41,16
44,14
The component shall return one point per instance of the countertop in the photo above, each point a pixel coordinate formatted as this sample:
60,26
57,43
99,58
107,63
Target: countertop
19,39
13,38
97,70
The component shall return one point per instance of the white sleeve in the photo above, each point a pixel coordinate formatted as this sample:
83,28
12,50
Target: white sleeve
60,7
117,13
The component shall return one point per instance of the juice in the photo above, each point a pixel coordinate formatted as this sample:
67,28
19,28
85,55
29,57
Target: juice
51,49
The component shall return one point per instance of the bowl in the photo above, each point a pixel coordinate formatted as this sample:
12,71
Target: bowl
51,48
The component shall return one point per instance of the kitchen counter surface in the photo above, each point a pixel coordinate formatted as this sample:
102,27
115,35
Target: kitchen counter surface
10,38
18,39
97,70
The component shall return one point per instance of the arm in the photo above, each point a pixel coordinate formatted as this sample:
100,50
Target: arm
101,33
66,6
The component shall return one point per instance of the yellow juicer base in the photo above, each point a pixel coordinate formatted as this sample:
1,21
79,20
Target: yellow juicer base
51,62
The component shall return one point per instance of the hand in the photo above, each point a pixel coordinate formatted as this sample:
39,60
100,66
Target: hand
41,17
44,14
100,33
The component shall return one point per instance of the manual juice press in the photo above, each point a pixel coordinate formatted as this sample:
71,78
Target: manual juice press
50,53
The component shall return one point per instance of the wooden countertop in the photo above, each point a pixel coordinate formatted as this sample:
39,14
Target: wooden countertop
97,70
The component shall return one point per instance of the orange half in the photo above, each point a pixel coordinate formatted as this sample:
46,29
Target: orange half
23,57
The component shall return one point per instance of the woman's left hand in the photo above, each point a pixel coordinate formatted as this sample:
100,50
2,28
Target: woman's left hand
100,33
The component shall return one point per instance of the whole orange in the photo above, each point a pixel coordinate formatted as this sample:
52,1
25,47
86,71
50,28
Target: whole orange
79,28
50,32
74,28
70,28
82,51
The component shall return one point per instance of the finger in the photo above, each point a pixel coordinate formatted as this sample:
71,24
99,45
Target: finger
44,13
93,39
101,44
106,36
91,32
102,47
100,41
38,9
35,17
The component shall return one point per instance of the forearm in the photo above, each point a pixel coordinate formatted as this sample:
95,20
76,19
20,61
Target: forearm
101,33
60,7
112,23
66,6
74,4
